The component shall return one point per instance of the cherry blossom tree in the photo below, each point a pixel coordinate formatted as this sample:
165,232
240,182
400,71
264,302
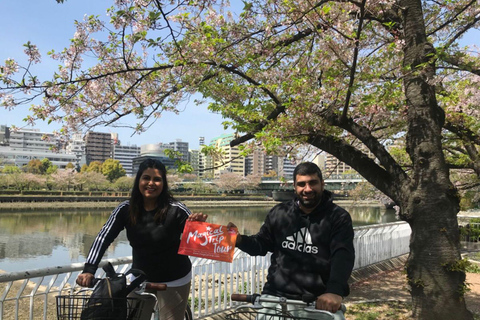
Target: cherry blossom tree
348,77
229,182
64,179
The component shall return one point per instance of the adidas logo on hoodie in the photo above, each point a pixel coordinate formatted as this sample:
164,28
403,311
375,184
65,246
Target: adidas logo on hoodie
300,241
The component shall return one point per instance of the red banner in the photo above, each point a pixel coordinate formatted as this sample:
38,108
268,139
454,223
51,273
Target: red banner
208,240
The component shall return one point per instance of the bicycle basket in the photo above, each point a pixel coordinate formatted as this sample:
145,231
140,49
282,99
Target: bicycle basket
70,307
245,313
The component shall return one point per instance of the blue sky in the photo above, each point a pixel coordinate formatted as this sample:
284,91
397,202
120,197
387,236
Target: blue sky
50,26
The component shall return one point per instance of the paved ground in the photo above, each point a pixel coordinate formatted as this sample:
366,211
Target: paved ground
391,285
387,281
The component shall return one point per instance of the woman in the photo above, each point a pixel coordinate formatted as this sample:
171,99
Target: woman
154,222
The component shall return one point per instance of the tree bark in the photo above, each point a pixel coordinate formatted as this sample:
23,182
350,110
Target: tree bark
429,203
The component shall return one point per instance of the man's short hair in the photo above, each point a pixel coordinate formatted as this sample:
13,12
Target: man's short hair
306,169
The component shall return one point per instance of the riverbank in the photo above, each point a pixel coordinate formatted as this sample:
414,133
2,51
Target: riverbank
112,204
189,201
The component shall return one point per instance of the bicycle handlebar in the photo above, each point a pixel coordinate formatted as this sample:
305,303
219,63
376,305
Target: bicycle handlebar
244,297
257,299
145,285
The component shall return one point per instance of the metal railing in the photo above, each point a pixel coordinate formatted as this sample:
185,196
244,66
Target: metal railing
31,294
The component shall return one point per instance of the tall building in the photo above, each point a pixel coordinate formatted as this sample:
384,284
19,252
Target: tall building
255,163
333,166
181,147
33,140
125,155
76,146
153,151
194,156
98,146
24,145
229,160
4,135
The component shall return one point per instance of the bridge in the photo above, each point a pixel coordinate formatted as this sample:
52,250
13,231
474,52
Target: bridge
332,182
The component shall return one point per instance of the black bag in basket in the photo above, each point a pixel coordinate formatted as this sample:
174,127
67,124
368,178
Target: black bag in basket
108,300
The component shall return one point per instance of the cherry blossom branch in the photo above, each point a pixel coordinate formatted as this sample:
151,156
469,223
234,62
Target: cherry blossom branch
353,69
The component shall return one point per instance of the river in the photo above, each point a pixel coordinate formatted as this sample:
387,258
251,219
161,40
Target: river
32,239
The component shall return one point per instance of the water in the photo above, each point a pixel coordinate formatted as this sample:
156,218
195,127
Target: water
33,239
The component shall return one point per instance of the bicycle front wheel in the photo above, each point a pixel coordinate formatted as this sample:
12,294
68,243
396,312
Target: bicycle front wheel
188,313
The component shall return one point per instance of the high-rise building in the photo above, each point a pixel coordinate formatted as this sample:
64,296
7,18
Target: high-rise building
194,156
230,159
28,144
181,147
255,163
125,155
153,151
76,146
333,166
98,146
33,140
4,135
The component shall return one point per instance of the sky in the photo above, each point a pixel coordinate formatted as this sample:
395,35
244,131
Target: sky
51,26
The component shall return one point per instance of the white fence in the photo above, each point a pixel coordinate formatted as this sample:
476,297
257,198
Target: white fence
31,294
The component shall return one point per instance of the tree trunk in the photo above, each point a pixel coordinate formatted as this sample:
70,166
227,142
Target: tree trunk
429,202
434,269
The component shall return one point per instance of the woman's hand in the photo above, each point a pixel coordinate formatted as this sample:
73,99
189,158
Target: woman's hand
85,279
198,216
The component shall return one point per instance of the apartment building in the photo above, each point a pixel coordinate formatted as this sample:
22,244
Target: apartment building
229,160
125,155
181,147
255,163
98,146
24,145
76,146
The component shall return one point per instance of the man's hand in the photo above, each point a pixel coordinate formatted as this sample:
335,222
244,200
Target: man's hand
329,301
85,279
231,225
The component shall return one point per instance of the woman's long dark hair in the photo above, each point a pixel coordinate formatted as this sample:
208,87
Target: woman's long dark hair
136,198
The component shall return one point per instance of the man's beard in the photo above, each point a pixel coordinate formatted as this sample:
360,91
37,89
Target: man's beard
310,203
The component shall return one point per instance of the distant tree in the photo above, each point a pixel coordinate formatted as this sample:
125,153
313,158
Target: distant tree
251,182
271,174
33,181
189,177
70,166
84,168
95,181
228,182
9,169
173,181
46,164
26,181
112,169
34,166
4,184
95,166
124,183
64,179
52,169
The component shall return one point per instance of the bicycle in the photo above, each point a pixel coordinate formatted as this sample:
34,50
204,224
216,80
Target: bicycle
277,308
132,307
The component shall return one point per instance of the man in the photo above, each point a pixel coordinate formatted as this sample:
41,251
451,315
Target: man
311,239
